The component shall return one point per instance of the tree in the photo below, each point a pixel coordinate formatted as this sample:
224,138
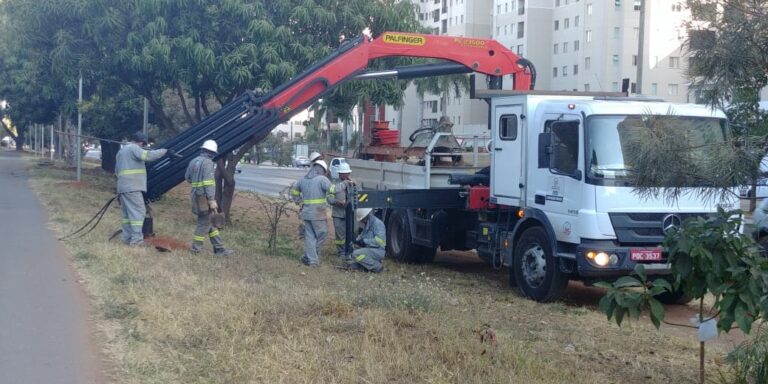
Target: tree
728,66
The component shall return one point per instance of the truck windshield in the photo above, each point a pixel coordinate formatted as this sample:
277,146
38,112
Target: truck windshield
608,137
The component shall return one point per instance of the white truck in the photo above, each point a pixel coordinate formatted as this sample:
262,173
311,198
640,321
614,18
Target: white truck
555,203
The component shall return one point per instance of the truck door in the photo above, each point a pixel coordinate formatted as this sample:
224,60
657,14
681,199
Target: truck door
507,165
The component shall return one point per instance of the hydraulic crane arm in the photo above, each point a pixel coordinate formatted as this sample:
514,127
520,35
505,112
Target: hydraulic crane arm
253,117
478,55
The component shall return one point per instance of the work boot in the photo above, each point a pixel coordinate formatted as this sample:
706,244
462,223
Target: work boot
308,264
223,252
196,247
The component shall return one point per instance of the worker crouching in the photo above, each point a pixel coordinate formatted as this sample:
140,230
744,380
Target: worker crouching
371,242
200,174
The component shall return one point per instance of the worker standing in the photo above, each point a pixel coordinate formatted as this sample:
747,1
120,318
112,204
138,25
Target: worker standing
371,242
200,174
131,171
312,191
313,158
337,198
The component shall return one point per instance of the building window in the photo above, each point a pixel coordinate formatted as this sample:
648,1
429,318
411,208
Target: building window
521,7
506,7
505,29
557,25
557,3
614,87
586,87
520,30
498,30
565,47
576,21
462,19
634,60
637,5
587,63
615,60
436,15
617,4
672,89
589,9
589,36
654,89
566,23
554,71
445,27
520,50
565,70
674,62
635,32
498,9
555,51
575,45
575,69
616,32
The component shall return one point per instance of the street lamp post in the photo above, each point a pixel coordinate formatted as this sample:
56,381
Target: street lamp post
78,147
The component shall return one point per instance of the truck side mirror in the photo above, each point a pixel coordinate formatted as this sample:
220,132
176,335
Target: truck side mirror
545,148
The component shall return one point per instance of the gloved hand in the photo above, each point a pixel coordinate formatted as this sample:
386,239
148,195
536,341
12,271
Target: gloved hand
174,155
360,243
213,206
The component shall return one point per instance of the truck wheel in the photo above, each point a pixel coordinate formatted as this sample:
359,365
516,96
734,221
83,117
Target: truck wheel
535,269
674,297
399,243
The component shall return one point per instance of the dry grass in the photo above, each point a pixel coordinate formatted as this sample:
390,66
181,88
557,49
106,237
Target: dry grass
182,318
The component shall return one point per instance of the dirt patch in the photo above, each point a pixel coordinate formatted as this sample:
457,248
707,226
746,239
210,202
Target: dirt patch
76,184
167,243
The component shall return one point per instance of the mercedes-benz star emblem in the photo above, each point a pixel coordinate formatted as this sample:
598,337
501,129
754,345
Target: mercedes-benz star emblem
670,221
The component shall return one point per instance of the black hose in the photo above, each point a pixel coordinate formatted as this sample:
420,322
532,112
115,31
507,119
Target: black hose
98,216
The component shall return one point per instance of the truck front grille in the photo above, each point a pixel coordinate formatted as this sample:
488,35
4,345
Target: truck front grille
644,228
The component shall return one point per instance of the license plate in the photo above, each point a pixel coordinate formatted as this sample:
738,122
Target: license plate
645,254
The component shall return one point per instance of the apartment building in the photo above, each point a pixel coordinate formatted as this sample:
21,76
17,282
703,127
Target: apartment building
467,18
576,45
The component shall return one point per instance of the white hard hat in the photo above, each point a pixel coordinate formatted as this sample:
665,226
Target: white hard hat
322,164
211,146
361,213
314,156
344,168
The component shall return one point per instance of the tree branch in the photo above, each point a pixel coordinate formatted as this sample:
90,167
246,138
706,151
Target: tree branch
8,129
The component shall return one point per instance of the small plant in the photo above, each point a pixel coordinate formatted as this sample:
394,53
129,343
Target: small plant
275,210
749,361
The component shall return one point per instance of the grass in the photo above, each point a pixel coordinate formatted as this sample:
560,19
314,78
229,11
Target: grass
182,318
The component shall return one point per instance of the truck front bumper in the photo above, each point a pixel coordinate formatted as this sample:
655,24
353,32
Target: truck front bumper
619,261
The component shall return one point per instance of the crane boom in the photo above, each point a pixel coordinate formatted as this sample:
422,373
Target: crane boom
252,117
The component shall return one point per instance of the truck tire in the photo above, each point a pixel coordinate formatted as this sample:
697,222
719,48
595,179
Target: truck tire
674,297
399,243
535,269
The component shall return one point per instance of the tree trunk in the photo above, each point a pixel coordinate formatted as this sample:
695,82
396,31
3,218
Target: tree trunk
183,101
20,139
225,177
204,106
198,113
164,119
753,198
7,129
109,155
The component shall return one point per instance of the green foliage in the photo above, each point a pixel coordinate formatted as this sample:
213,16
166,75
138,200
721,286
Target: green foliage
708,255
628,296
749,361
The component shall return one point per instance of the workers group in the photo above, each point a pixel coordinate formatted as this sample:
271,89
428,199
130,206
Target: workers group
314,192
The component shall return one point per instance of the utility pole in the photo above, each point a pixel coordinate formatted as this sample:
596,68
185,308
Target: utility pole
641,49
50,148
78,146
145,125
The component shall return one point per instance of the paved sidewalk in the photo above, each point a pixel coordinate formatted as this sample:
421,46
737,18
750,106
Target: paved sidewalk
45,331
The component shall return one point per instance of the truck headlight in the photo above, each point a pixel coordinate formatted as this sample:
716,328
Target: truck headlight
602,259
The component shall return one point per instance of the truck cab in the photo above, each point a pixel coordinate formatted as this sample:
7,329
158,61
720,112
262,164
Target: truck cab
561,162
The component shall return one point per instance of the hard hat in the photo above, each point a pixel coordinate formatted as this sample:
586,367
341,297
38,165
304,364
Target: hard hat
210,145
139,137
315,156
322,164
344,168
361,213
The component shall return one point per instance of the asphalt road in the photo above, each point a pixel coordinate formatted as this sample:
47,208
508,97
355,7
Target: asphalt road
267,180
45,331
